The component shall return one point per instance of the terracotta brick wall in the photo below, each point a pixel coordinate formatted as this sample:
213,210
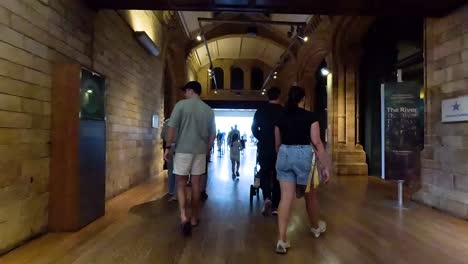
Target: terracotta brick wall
444,159
34,34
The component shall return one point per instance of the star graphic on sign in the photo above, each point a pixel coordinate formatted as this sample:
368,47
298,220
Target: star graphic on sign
456,106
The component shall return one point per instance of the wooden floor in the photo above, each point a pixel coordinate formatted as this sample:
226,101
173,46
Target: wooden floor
139,227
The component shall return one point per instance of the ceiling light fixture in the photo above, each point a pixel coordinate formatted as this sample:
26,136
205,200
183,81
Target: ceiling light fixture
199,38
147,42
274,77
325,71
305,39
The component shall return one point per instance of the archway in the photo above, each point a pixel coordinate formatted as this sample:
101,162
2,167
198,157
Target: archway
389,45
237,78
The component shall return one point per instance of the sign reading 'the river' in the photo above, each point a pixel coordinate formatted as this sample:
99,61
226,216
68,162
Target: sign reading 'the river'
402,130
455,109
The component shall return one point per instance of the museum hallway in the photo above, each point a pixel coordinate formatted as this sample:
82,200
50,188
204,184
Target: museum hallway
91,93
141,226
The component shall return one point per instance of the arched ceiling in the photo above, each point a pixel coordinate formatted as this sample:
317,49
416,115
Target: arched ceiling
237,47
192,27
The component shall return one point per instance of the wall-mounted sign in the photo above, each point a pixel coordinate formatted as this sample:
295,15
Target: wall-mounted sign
455,109
155,121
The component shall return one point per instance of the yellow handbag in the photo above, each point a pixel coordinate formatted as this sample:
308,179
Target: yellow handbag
314,175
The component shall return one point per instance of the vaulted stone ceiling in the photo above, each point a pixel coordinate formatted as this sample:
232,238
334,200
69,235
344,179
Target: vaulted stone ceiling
190,21
227,40
238,47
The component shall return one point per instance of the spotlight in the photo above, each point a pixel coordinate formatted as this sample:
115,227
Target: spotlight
216,91
263,93
89,91
274,77
199,38
325,71
275,73
305,39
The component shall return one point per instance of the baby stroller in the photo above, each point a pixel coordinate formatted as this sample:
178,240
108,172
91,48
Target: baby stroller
255,188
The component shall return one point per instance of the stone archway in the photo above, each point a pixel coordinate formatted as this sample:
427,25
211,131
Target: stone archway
344,63
337,40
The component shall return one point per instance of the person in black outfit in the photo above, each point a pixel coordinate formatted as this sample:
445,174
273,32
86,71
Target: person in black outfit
263,128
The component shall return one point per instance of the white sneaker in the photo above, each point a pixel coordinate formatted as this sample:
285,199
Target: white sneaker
282,247
267,208
322,227
257,183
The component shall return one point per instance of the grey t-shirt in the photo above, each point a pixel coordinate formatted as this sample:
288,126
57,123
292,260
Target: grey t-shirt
194,122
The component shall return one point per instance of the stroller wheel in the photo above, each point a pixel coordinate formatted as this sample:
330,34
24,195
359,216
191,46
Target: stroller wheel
252,193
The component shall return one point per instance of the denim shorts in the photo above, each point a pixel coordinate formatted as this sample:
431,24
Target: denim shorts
294,163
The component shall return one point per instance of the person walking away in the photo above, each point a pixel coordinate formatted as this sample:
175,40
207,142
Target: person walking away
242,141
229,136
297,137
235,155
218,141
236,131
233,131
194,123
172,184
263,129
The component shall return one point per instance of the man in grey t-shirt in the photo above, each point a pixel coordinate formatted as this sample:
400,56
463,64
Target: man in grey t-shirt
194,123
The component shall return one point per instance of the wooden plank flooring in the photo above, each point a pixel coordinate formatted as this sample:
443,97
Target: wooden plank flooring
139,227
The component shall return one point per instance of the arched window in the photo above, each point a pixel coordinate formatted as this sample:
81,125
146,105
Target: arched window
237,78
219,76
256,81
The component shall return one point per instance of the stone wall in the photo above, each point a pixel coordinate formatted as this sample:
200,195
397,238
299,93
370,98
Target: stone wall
134,93
35,34
444,159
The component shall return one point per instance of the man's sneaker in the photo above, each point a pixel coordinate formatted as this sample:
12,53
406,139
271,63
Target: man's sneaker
204,196
282,247
322,227
186,229
267,208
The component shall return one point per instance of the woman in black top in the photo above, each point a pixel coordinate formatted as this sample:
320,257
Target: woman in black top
297,140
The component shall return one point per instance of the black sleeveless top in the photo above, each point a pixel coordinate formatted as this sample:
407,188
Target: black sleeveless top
294,125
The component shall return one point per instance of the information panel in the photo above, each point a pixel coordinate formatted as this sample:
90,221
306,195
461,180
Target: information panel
401,130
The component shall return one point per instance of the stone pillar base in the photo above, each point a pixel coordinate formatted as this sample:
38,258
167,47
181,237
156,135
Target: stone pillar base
350,161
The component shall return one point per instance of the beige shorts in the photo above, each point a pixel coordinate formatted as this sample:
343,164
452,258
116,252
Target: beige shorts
189,164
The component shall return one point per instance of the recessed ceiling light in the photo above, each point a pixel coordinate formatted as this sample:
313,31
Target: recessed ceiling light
325,71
